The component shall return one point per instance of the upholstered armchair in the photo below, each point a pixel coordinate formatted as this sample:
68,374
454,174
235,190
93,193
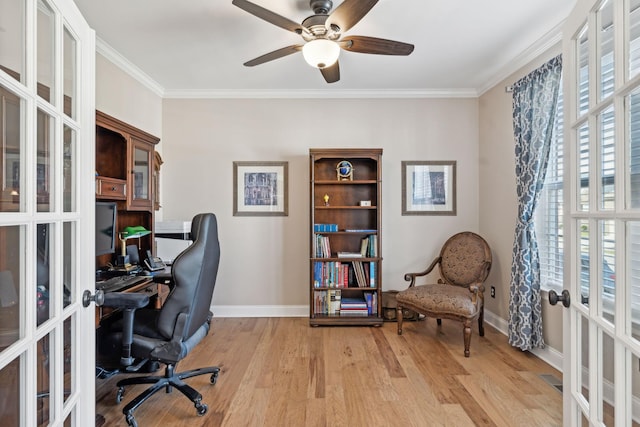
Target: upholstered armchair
464,264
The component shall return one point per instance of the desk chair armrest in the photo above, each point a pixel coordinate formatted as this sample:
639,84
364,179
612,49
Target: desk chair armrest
128,303
411,277
125,300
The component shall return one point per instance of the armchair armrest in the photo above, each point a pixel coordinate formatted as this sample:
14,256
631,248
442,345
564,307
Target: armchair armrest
128,302
411,277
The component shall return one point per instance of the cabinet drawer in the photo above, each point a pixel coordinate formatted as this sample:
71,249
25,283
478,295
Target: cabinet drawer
111,188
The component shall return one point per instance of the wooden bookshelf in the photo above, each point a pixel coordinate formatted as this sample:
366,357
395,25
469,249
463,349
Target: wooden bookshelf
345,211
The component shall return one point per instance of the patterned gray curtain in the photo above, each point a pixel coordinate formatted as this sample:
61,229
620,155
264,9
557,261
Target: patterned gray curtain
535,98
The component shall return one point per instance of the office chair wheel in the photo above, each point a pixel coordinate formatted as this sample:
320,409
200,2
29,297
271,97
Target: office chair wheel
119,394
214,377
201,408
131,421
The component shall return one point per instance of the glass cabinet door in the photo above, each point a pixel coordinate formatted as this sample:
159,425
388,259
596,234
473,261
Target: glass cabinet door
141,167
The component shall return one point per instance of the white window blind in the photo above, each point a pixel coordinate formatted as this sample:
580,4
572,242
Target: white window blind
548,214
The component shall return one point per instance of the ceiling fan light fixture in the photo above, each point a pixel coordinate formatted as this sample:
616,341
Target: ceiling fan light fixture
321,53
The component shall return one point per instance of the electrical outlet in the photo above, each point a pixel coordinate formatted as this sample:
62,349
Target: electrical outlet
493,292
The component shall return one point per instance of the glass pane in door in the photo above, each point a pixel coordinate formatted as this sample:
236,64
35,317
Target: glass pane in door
10,390
633,279
585,264
69,154
43,274
43,369
606,270
68,362
44,166
608,382
69,51
11,157
607,156
632,118
46,38
583,71
582,375
10,278
12,38
634,38
583,168
605,25
68,263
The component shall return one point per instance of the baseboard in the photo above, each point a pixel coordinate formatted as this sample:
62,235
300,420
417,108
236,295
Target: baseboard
260,310
549,354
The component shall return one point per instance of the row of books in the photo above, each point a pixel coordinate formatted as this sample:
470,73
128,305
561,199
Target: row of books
331,302
368,247
348,274
322,246
319,228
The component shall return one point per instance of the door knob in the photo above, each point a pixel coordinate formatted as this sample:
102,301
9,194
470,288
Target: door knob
565,297
87,298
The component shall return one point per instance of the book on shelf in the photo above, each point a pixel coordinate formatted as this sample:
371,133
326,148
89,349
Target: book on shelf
353,306
334,301
322,246
364,245
353,302
326,228
372,274
361,230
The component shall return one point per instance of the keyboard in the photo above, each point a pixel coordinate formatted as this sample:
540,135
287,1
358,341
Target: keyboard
119,283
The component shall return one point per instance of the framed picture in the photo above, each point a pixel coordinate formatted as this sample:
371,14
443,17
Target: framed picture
260,188
428,188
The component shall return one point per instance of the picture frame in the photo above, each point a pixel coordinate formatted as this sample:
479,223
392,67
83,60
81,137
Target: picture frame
429,187
260,188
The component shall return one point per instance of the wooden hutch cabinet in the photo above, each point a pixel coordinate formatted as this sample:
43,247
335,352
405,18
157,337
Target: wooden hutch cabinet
124,173
345,237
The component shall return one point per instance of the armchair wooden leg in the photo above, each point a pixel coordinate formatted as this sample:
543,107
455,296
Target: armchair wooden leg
467,337
481,322
439,321
399,318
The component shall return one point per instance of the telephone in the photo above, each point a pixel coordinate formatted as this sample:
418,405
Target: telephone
154,263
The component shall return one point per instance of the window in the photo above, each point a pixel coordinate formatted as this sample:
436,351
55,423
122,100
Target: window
548,214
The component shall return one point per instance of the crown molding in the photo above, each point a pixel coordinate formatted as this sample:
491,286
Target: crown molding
550,39
125,65
329,94
546,42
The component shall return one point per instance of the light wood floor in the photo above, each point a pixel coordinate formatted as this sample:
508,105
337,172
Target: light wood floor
282,372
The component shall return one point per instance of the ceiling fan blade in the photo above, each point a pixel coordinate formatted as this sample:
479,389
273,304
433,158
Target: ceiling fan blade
273,55
375,45
349,13
269,16
331,74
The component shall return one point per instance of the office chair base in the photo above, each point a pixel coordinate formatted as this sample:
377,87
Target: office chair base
168,382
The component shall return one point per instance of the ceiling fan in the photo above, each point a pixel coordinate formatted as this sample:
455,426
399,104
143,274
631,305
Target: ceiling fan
323,35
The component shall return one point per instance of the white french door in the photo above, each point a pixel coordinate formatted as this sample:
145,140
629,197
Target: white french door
601,65
47,133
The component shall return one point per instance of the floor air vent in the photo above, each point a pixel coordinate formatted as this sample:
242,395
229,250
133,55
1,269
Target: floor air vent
552,381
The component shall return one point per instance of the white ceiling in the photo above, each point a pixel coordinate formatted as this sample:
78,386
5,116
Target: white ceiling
197,47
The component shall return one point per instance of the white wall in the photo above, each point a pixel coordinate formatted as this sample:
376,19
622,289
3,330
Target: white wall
121,96
265,259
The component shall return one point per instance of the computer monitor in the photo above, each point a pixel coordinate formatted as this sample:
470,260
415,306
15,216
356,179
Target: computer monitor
106,215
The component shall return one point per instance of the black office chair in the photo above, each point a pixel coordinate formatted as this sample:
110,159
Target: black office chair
169,334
